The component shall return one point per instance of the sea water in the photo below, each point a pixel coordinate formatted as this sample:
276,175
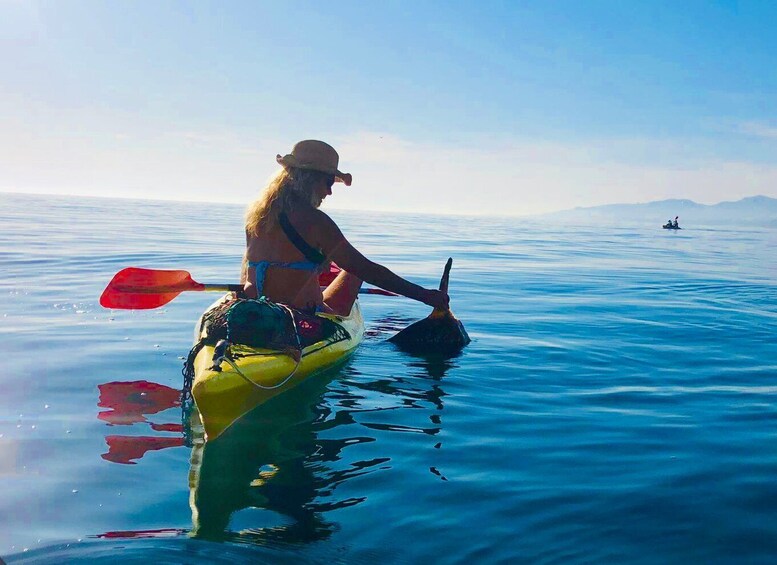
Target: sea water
618,402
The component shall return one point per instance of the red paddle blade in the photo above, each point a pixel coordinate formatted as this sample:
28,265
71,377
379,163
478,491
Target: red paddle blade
326,278
142,289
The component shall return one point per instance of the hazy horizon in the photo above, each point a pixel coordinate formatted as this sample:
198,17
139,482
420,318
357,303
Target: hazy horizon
327,208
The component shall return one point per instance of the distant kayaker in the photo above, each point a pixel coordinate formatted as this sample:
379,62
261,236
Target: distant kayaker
290,242
675,224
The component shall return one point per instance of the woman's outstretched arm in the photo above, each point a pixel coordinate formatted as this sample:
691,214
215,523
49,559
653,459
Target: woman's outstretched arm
347,257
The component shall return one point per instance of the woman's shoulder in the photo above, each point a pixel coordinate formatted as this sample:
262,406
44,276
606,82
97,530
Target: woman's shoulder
312,217
318,227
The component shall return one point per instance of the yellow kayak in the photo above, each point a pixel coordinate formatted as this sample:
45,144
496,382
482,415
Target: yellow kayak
249,376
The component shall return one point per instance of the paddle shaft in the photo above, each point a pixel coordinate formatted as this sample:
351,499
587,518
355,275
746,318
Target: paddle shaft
177,288
136,288
162,289
218,288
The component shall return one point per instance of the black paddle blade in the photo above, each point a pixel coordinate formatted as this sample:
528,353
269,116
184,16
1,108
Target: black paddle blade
439,333
446,274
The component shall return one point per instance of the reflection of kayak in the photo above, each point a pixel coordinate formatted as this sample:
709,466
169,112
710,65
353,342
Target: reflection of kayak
257,465
252,375
668,227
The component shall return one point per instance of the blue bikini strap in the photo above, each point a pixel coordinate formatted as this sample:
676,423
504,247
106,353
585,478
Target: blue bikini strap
262,266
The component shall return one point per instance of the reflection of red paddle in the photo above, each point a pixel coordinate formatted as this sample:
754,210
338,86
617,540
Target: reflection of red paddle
134,288
130,401
124,449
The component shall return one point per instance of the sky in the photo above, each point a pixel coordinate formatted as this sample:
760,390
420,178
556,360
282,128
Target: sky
500,108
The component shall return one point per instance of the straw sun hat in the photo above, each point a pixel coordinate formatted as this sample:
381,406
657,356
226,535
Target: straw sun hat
317,156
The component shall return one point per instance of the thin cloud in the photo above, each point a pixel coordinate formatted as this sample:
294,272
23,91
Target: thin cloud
758,129
526,177
487,175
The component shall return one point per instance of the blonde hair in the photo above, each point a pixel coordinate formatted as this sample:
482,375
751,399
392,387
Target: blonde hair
289,187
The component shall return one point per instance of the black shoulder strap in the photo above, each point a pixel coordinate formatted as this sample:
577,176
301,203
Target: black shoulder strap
312,255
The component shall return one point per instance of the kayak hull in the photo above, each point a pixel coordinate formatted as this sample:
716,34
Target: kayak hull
256,375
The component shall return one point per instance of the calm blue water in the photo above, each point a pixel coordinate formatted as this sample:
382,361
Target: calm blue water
618,401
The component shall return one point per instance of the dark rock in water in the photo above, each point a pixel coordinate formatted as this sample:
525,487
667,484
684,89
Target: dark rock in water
440,332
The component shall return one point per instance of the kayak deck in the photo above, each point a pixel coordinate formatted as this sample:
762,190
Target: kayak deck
256,375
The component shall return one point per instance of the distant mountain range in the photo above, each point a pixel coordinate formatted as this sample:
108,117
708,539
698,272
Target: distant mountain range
753,210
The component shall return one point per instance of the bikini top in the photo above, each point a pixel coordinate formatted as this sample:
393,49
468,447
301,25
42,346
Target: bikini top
315,258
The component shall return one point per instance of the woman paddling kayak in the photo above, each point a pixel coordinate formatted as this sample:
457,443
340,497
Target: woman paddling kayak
290,242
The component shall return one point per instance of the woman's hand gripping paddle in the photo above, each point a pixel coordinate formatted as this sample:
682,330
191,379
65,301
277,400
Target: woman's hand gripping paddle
134,288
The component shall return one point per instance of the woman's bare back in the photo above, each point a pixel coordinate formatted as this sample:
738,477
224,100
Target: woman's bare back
298,288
